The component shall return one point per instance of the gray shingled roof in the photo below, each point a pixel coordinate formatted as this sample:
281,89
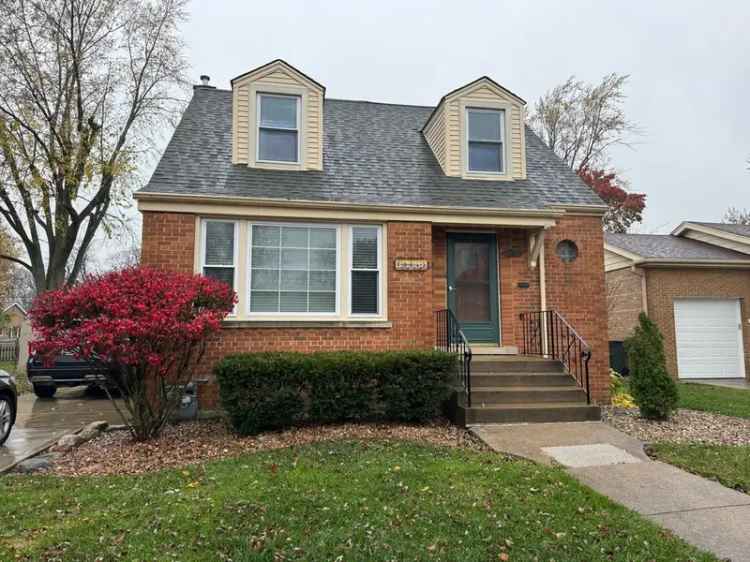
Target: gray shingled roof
668,247
373,153
741,229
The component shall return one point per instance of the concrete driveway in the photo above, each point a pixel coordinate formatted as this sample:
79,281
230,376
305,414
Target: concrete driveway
42,421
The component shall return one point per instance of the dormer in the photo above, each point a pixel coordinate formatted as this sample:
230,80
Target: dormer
477,132
277,119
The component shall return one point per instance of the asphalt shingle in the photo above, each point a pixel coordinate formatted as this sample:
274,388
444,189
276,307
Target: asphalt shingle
373,153
740,229
667,246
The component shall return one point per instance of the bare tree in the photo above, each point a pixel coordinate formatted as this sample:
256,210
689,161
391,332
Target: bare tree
581,121
85,86
735,215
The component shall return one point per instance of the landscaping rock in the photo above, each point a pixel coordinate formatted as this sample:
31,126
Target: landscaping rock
96,426
36,464
685,426
92,430
67,442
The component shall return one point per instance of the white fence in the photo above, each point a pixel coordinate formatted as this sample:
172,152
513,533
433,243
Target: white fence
9,350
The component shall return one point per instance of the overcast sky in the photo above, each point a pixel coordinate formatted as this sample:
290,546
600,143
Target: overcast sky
688,62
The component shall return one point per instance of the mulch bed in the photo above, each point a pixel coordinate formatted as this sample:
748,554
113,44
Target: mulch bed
187,443
686,426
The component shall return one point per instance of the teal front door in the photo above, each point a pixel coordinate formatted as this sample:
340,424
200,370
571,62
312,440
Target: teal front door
472,285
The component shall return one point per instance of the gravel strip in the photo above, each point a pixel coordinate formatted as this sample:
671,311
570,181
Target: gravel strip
686,426
197,442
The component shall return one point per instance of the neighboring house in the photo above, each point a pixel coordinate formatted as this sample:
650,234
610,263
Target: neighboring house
695,284
13,317
346,224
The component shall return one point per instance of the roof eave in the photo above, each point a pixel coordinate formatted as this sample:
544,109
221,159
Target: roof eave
303,203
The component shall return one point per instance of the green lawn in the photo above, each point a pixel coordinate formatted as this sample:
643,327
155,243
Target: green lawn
727,464
331,501
727,401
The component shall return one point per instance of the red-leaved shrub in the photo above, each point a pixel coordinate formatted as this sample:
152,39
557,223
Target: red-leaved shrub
152,324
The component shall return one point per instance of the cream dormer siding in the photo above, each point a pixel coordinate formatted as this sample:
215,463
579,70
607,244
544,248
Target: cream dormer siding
446,129
281,79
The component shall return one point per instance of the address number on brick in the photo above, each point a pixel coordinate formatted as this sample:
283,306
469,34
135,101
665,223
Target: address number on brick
405,264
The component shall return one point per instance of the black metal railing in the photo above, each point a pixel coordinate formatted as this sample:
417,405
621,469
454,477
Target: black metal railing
546,333
449,337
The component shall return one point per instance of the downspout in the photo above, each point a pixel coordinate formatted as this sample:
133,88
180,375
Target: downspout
543,292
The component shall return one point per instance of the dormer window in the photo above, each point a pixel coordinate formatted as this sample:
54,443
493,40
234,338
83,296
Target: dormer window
278,128
485,140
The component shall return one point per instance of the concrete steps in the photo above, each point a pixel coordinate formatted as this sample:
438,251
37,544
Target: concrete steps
515,389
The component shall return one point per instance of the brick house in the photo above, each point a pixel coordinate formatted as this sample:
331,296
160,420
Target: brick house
695,284
347,224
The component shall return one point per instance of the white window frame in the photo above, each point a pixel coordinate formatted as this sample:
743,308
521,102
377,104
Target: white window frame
286,315
379,229
235,252
258,126
501,111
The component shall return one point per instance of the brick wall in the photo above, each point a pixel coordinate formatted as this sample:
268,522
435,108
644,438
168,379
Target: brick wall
624,302
577,290
664,285
168,243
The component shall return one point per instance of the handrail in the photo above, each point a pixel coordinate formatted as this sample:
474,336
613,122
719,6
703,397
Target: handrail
449,337
548,334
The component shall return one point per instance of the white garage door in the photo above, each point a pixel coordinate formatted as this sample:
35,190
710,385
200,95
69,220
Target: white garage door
709,338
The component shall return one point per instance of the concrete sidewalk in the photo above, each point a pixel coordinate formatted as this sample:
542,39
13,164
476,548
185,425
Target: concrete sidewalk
702,512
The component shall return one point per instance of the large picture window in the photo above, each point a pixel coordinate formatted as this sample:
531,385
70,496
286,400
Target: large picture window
485,138
278,128
293,269
219,250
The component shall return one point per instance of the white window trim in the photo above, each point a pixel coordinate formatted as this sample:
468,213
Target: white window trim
500,113
269,316
298,99
477,103
235,256
379,230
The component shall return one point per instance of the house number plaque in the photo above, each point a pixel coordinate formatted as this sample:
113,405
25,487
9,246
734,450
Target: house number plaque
405,264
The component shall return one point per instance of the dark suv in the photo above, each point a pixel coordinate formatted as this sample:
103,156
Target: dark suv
66,370
8,404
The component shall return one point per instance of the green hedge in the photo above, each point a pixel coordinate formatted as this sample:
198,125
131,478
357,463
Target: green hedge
262,391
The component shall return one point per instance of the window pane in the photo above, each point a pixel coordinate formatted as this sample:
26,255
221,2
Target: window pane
294,280
265,257
323,238
322,280
278,112
264,302
293,259
364,292
294,237
364,248
293,302
485,157
297,277
484,125
219,243
225,274
266,235
323,259
278,146
323,302
265,279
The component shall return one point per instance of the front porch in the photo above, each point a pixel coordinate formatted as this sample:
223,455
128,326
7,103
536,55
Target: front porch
521,358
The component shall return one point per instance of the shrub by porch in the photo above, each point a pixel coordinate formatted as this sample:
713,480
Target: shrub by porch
276,390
